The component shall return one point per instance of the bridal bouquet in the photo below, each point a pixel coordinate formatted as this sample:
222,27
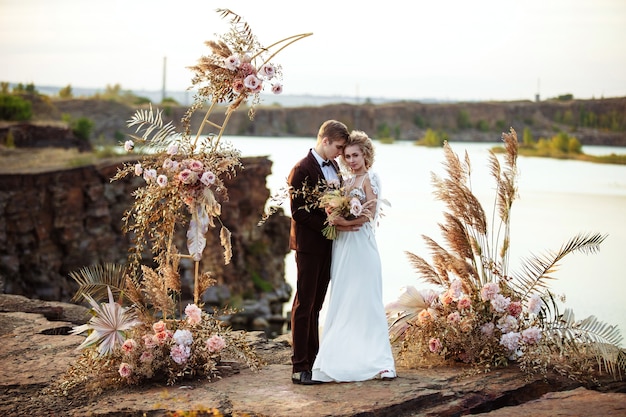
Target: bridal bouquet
337,204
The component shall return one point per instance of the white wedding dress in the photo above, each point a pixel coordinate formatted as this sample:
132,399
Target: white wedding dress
355,342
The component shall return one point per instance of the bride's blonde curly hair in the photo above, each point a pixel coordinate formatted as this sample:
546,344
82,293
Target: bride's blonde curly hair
360,138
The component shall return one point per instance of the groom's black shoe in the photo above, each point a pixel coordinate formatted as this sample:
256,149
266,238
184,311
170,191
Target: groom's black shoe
304,378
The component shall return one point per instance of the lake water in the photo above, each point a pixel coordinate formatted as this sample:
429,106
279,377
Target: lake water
557,200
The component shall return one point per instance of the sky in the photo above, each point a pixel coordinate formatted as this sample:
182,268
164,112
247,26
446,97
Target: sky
438,49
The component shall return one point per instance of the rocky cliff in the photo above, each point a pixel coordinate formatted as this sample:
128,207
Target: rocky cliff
55,222
593,122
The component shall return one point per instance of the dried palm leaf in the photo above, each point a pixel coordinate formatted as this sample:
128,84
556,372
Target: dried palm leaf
597,338
539,268
96,280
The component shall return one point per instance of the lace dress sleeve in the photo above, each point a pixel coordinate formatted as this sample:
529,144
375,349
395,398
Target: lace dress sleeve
376,188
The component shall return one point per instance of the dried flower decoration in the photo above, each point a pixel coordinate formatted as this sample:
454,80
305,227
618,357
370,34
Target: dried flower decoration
184,174
183,177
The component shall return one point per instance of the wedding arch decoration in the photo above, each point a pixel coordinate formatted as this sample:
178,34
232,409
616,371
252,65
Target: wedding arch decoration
476,310
139,331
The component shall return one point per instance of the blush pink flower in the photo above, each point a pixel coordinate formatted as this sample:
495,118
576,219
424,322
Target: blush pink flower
215,343
129,145
125,370
531,335
487,329
138,169
238,86
434,345
500,303
232,62
159,326
195,165
162,180
149,175
194,314
535,303
355,207
489,291
251,81
277,88
187,176
168,164
454,317
148,341
424,316
515,308
146,357
268,71
180,354
208,178
465,303
129,345
510,340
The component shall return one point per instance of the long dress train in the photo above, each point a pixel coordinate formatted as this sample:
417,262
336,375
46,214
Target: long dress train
355,342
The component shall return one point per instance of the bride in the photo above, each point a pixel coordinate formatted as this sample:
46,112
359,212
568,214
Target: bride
355,342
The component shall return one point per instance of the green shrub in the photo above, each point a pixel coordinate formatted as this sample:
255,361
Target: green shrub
82,128
15,108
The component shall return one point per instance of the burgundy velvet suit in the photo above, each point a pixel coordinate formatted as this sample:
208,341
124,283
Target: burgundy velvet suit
313,255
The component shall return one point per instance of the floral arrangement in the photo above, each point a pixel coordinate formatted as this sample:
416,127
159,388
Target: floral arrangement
479,313
183,186
337,203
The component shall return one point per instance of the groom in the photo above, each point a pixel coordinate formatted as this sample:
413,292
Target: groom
313,250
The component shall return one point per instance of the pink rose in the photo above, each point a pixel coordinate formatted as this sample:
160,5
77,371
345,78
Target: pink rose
515,308
194,314
146,357
162,180
187,176
129,345
148,341
215,343
196,165
238,86
159,326
208,178
454,317
232,62
125,370
277,88
424,316
268,70
434,345
252,82
465,303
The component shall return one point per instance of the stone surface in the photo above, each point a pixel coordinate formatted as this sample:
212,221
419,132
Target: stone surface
56,222
36,352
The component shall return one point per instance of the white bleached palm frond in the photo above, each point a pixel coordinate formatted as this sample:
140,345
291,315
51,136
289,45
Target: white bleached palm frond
108,326
403,311
151,128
